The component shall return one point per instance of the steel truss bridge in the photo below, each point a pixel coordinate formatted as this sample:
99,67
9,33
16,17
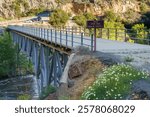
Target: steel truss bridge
49,50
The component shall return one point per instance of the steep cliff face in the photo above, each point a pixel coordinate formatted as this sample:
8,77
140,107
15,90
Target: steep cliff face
126,10
7,7
98,8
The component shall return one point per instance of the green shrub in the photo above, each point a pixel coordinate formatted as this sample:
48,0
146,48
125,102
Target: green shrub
47,91
82,18
110,16
128,59
143,7
24,97
7,56
89,16
34,11
114,83
11,63
25,65
59,18
16,6
2,19
139,32
130,16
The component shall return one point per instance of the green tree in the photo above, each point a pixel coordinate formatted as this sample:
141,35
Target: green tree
59,18
139,32
7,56
89,16
11,63
110,16
82,18
16,6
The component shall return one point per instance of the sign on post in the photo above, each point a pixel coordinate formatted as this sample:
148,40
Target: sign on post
95,24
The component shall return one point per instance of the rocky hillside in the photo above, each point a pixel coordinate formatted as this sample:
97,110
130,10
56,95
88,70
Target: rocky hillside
10,8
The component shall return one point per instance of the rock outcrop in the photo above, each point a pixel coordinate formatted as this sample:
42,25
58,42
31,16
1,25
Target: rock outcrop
8,7
74,7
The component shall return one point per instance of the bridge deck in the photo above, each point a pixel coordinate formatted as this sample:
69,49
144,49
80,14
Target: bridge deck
65,39
70,40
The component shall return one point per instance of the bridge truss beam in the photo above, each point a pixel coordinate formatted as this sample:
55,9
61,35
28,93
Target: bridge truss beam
49,63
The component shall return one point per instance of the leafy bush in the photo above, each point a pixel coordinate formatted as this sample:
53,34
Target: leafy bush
130,16
128,59
139,32
24,97
34,11
16,6
47,91
82,18
89,16
25,65
143,7
7,55
12,64
2,19
114,83
110,16
59,18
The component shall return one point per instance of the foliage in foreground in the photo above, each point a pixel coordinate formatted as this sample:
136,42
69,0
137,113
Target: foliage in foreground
114,83
11,63
47,91
24,97
7,55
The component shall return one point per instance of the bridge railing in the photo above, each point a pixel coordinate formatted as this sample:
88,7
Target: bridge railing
69,39
125,35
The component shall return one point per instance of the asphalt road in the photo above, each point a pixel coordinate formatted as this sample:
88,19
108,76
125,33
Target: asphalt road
111,46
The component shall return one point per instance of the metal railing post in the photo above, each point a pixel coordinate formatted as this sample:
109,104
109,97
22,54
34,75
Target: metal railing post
55,36
82,38
40,32
44,33
66,39
51,35
108,36
60,38
116,34
72,39
92,39
148,36
35,31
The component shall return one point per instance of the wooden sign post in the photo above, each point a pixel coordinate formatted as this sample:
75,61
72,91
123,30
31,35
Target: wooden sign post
95,24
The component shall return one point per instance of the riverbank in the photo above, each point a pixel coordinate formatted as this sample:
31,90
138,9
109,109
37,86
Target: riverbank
12,88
